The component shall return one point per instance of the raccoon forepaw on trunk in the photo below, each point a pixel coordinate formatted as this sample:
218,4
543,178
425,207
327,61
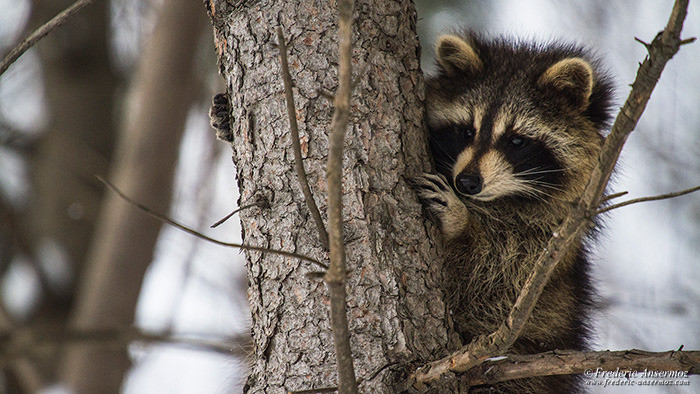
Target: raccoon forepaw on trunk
220,117
433,192
438,198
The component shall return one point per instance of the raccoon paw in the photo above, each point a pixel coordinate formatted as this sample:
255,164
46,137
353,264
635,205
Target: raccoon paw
433,192
440,200
220,117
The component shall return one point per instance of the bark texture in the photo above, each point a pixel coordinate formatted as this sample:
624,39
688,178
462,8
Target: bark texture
395,306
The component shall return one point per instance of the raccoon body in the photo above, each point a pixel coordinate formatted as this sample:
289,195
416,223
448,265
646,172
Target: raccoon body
515,131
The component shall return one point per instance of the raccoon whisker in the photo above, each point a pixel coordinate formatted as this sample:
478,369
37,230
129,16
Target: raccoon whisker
443,166
531,190
548,193
545,184
538,194
538,181
446,153
536,171
528,189
431,138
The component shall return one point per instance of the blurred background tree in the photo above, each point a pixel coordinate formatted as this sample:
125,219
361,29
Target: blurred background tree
117,86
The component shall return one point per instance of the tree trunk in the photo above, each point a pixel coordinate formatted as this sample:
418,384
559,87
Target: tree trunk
162,93
77,143
395,308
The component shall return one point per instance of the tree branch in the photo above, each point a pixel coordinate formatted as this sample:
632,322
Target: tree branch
335,276
291,113
36,342
23,368
259,203
40,33
559,362
188,230
652,198
612,197
663,47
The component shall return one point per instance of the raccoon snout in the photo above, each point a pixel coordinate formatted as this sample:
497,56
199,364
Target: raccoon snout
468,183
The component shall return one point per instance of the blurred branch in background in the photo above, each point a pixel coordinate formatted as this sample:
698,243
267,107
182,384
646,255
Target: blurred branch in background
25,374
40,33
37,342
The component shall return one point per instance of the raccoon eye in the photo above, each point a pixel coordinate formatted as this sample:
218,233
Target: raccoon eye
517,141
467,131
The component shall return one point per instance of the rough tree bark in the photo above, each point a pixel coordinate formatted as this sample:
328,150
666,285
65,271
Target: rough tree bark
394,301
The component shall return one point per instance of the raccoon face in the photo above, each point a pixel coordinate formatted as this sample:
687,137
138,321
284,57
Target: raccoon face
486,159
509,120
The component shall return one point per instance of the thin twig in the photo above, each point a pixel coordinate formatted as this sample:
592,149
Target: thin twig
643,199
646,44
296,145
337,273
260,203
612,197
188,230
663,47
40,33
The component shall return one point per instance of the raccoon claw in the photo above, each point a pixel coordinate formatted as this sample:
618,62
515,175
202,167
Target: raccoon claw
220,118
439,199
434,192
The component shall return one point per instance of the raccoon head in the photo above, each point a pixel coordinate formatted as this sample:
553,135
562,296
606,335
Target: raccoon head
515,120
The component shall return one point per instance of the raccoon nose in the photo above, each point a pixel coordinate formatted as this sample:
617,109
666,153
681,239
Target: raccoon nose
468,183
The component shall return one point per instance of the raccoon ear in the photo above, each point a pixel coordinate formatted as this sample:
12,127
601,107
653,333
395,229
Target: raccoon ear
573,77
457,55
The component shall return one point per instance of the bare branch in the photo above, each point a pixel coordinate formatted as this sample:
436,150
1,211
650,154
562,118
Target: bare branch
559,362
612,197
296,145
646,44
34,342
663,47
188,230
336,275
260,203
652,198
40,33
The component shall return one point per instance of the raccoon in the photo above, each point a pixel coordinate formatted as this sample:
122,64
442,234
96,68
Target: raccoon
515,130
